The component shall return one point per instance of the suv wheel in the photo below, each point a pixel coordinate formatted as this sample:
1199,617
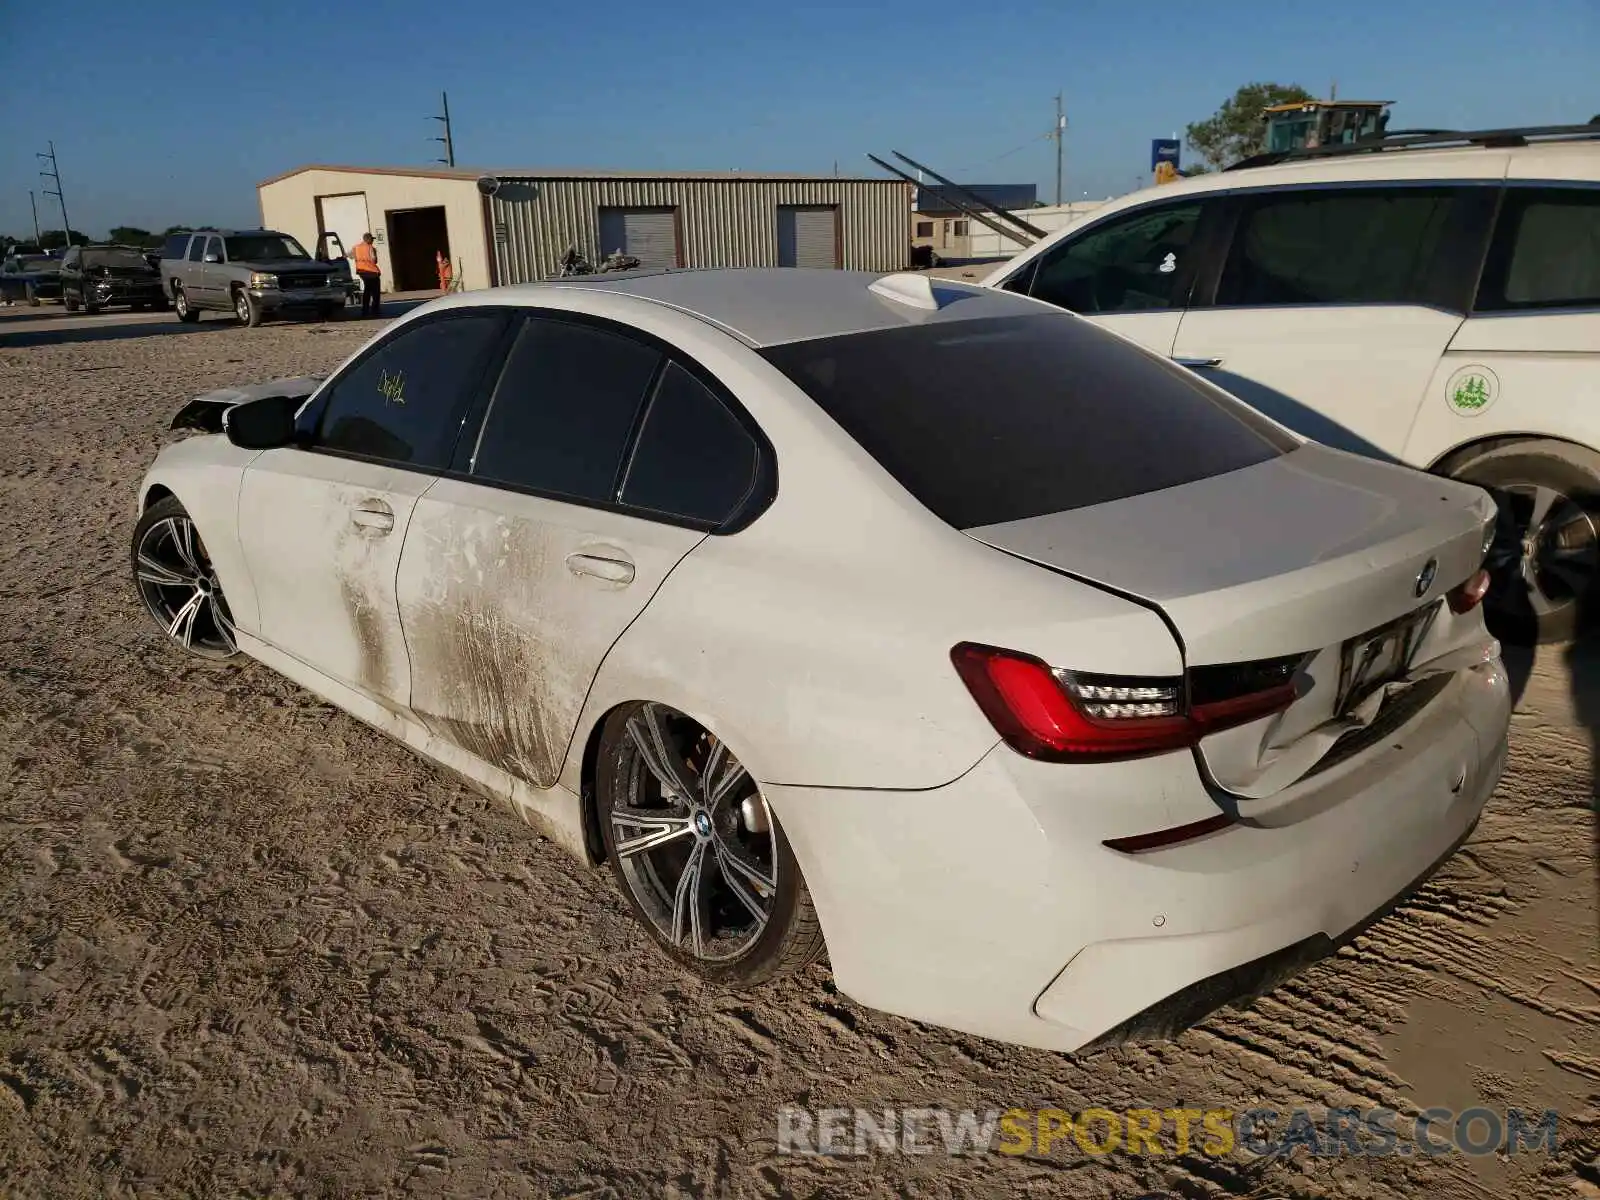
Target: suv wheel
69,301
180,305
247,308
1546,554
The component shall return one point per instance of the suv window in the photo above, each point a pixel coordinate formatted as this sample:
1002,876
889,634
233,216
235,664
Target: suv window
1071,415
1546,251
176,246
1349,246
197,249
403,402
1135,262
564,408
694,459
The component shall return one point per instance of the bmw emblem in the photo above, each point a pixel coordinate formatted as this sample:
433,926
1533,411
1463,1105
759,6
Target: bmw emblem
702,823
1425,577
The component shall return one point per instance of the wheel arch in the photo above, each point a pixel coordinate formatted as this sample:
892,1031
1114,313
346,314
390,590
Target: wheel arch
1459,456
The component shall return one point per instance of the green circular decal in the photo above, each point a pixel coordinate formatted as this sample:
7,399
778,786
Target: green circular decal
1471,390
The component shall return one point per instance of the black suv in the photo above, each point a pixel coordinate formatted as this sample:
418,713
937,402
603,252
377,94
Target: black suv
96,277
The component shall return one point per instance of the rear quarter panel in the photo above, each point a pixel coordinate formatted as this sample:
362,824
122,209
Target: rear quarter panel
1539,375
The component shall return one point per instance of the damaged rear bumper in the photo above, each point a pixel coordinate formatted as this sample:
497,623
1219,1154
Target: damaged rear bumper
993,906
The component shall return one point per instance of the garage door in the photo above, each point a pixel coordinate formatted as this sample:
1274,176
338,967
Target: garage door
649,234
808,237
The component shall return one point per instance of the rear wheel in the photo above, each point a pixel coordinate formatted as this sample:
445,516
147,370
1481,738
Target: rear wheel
33,296
698,853
178,584
69,301
1546,553
180,305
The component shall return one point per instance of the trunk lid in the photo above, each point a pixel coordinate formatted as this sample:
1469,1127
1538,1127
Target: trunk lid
1288,555
1293,556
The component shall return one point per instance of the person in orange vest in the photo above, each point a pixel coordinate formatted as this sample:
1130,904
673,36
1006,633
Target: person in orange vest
367,272
443,265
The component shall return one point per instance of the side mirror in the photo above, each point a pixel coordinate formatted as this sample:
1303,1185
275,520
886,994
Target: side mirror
263,424
213,258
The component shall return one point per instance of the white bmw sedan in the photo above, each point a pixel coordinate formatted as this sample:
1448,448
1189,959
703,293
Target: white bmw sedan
1058,695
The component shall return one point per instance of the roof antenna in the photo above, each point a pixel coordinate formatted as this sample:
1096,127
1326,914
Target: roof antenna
906,288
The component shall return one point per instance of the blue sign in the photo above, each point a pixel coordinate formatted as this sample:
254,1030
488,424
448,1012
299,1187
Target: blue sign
1164,150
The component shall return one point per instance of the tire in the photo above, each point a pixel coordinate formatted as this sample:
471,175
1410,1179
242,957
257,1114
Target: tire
247,308
175,579
90,309
749,867
180,305
68,302
1543,572
33,296
332,312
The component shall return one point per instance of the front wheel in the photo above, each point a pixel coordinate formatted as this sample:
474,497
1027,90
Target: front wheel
247,308
69,301
697,851
178,584
1545,558
180,305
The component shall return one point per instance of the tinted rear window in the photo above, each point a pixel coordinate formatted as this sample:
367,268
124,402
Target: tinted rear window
1005,418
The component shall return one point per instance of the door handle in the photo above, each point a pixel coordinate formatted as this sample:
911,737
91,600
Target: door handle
1194,364
612,570
374,515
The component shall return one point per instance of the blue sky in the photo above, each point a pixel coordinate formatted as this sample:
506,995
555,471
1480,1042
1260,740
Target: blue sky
166,113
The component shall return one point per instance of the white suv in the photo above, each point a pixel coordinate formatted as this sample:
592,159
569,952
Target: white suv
1433,299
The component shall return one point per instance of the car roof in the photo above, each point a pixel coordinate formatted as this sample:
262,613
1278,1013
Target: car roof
768,306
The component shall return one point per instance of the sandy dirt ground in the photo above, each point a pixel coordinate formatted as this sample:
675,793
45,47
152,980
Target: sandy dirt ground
249,947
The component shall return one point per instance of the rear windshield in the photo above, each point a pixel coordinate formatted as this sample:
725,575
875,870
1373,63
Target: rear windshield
260,247
1004,418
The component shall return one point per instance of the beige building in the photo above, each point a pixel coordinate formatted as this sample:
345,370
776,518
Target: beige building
513,226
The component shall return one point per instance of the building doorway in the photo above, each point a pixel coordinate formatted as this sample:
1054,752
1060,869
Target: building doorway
415,236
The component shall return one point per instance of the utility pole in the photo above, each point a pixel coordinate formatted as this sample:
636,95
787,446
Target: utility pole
449,146
1058,133
34,204
55,173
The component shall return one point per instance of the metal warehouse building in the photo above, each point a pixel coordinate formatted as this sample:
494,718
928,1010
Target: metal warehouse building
513,226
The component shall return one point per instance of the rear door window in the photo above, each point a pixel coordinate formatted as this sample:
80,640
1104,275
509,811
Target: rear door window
197,250
1546,251
1344,246
176,246
694,459
403,402
564,409
1137,262
996,420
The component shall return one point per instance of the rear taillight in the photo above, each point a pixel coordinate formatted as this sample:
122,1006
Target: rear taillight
1467,596
1057,715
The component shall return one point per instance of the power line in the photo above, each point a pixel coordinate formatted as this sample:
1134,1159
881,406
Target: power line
1017,150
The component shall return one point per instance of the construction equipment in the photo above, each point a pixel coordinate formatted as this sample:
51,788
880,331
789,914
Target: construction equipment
1310,124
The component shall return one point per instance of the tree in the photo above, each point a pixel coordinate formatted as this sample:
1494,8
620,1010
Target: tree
1237,129
132,235
54,239
172,229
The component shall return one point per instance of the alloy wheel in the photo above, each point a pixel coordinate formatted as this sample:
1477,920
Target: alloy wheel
241,307
1545,553
180,303
693,837
180,588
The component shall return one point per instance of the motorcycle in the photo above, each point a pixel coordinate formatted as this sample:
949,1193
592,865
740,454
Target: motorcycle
573,263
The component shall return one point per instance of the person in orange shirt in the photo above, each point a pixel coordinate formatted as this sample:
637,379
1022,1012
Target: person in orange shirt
443,265
366,256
